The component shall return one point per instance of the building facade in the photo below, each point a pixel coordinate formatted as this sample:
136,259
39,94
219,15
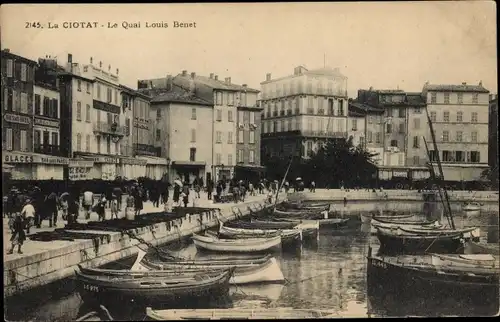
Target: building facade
356,127
493,133
302,110
459,115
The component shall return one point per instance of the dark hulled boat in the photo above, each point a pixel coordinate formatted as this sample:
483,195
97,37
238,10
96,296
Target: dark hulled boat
155,289
261,224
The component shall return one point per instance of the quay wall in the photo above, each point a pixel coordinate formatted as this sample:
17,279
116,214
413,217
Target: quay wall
32,271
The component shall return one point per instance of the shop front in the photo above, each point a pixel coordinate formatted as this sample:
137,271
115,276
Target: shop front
131,168
187,171
156,167
33,166
105,167
79,169
249,172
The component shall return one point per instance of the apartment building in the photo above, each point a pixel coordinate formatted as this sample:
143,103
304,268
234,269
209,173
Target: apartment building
493,133
356,127
302,110
459,115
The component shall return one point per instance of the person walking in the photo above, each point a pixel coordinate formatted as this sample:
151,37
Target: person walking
114,206
177,192
118,192
313,186
51,206
210,188
73,210
185,194
28,213
16,224
138,199
87,203
100,207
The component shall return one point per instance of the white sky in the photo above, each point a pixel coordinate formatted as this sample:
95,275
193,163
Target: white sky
383,45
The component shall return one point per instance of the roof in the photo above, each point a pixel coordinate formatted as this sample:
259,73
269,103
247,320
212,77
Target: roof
390,91
215,84
325,71
11,55
415,99
456,88
134,92
178,95
355,114
357,107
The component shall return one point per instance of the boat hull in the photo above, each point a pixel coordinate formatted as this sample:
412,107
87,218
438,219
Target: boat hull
375,224
416,244
288,236
236,246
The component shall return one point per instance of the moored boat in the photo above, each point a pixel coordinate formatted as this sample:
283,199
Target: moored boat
261,224
249,245
398,241
237,313
469,260
471,206
470,233
288,236
329,222
428,225
366,218
156,289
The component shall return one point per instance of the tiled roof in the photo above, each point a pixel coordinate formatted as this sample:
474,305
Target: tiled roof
415,99
364,107
216,84
355,114
456,88
178,95
325,71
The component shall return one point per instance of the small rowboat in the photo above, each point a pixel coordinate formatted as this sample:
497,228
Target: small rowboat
428,225
104,288
104,315
304,205
330,222
472,206
249,245
471,233
268,271
237,313
288,236
365,218
299,213
477,260
260,224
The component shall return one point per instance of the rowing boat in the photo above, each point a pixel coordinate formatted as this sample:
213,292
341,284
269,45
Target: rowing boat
470,233
261,224
330,222
237,313
365,218
476,260
249,245
424,225
288,236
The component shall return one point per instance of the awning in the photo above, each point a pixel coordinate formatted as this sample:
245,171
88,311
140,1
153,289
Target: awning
153,160
192,164
251,167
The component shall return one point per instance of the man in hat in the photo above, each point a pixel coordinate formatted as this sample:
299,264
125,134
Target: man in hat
28,214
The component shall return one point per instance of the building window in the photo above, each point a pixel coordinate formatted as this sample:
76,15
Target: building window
230,159
459,116
88,88
10,67
475,157
252,117
24,139
192,154
389,112
369,136
475,98
251,157
460,98
447,98
78,110
38,110
447,156
446,116
474,117
252,137
446,136
341,107
218,158
55,138
218,98
193,135
230,116
8,139
117,149
158,113
241,118
474,137
401,128
98,91
418,110
394,143
416,142
309,148
240,156
87,143
87,113
219,115
433,116
158,134
79,85
402,112
459,136
218,137
193,113
389,127
240,136
23,72
98,143
377,137
108,145
78,142
433,98
354,125
331,110
459,156
230,137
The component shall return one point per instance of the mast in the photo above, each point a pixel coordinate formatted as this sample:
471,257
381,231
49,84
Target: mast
441,175
433,175
282,181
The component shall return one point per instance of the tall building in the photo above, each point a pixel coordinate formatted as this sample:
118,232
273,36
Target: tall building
28,153
493,133
459,114
301,110
356,127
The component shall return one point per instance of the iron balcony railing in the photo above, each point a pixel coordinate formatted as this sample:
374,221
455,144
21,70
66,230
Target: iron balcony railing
107,128
48,149
324,134
146,149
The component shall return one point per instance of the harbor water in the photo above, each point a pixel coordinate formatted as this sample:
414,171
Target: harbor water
327,274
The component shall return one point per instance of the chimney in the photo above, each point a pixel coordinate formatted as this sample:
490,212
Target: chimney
117,71
109,68
480,83
70,58
211,75
91,60
169,82
193,75
464,83
6,50
216,77
268,76
184,72
244,85
100,64
228,80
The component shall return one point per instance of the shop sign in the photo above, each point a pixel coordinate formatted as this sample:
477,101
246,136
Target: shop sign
20,119
132,161
45,122
9,157
78,173
400,174
49,160
102,159
80,163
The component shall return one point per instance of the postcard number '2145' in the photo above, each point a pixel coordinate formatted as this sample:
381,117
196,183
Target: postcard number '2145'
91,288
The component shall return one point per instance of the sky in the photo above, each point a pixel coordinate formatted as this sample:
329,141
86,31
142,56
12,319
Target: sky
386,45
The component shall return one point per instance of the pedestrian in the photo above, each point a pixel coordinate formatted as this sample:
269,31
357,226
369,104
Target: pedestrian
100,207
51,206
73,210
114,206
28,213
313,186
16,224
118,192
345,201
177,192
138,199
185,194
251,189
87,203
63,204
197,189
210,188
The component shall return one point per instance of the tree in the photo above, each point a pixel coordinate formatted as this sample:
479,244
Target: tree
491,175
339,162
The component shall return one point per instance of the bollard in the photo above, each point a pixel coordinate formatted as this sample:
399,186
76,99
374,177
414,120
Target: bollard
493,229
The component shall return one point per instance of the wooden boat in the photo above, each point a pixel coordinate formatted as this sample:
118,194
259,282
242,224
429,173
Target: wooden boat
472,207
426,225
288,236
398,241
236,245
156,289
268,291
237,313
366,218
391,274
260,224
304,205
469,260
471,233
300,214
104,315
330,222
483,248
268,271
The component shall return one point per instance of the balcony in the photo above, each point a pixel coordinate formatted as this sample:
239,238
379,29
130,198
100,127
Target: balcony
48,149
145,149
324,134
109,129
